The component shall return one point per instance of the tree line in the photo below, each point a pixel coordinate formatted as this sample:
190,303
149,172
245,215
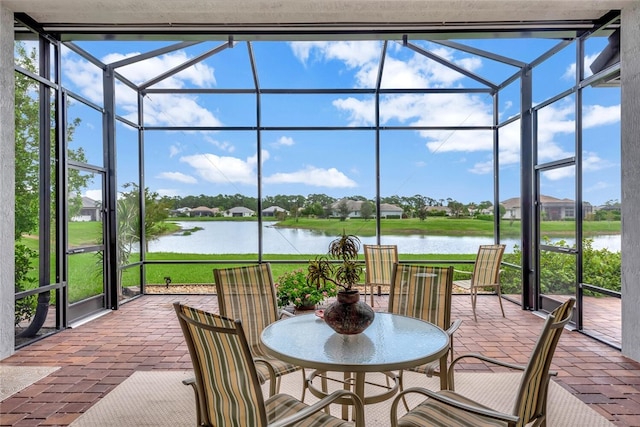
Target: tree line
316,204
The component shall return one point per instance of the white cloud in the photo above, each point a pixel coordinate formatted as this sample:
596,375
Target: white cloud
285,141
358,112
225,169
482,168
199,75
223,145
176,110
311,175
570,72
169,109
174,150
561,173
591,162
598,115
177,176
352,53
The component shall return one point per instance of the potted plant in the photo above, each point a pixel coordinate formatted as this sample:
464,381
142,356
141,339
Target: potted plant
293,288
347,315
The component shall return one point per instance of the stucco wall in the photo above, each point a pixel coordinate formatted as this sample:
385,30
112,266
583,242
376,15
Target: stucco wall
7,185
630,75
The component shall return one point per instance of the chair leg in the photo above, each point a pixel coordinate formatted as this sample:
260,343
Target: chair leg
371,290
474,296
304,385
451,347
401,387
500,299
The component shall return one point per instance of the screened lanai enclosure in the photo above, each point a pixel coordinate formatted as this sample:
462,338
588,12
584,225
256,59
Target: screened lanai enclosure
150,159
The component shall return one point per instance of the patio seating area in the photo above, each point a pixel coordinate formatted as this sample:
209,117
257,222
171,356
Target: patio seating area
144,335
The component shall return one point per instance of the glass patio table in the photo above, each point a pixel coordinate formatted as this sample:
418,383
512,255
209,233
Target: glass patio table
392,342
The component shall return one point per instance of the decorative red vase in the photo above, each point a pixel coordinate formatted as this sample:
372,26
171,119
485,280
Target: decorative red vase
348,315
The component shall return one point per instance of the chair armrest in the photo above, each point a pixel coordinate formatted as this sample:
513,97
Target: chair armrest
272,374
488,360
431,368
454,327
192,383
463,271
450,402
285,313
450,373
358,409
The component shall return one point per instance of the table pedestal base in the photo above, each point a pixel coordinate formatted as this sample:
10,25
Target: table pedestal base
356,382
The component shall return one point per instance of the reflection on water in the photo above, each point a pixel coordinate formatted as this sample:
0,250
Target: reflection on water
234,237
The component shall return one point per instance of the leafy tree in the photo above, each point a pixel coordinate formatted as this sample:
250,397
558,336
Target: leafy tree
156,212
366,210
601,267
322,199
315,209
485,204
457,208
343,209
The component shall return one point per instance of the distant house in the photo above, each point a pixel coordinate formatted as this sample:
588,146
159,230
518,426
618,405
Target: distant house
203,211
91,211
552,208
388,210
441,210
239,211
355,206
181,211
273,210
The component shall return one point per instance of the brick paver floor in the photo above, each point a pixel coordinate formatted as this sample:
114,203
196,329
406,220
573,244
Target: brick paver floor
144,335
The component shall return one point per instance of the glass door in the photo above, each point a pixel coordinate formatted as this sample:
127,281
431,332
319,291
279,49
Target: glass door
556,225
86,287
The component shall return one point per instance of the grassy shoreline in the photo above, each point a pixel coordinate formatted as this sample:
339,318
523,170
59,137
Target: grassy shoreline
434,226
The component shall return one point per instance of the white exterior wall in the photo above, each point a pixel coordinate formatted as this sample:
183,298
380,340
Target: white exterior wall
7,185
630,75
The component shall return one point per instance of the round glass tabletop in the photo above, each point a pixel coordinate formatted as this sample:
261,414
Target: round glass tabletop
391,342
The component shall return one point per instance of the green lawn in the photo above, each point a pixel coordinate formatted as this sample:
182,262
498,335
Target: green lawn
444,226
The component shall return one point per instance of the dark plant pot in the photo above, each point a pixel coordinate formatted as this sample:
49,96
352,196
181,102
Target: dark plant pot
305,307
348,315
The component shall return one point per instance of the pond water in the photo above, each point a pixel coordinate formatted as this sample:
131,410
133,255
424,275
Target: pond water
218,237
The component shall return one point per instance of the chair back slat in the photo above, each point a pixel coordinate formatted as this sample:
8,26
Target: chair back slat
248,293
423,292
226,378
487,266
532,394
379,261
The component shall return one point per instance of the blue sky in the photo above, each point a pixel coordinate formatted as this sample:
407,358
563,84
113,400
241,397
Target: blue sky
439,163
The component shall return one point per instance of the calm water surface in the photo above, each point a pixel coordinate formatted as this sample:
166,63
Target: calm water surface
218,237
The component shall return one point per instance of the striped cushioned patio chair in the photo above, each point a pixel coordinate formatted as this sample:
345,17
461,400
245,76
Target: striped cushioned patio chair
228,392
485,274
446,407
248,293
424,292
379,261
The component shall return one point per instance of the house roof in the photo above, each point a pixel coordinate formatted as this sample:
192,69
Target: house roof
274,209
389,207
240,209
514,202
90,203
